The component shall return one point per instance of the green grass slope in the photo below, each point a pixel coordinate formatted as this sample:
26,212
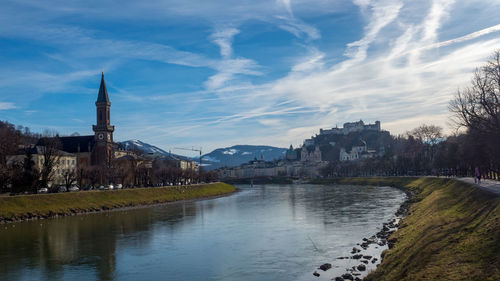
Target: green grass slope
452,232
47,205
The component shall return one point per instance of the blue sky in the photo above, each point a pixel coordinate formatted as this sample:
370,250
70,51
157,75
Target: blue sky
219,73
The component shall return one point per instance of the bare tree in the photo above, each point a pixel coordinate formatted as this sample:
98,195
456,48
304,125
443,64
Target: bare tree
69,177
50,156
9,141
80,176
92,175
478,106
124,170
430,134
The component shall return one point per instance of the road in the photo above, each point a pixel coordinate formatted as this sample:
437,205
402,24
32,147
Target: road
488,185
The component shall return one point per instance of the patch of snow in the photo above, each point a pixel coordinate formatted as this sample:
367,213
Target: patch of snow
230,151
211,159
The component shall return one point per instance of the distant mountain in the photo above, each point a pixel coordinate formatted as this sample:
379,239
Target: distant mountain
239,154
148,148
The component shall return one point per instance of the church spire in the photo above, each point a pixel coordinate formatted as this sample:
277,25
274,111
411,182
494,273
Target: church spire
103,92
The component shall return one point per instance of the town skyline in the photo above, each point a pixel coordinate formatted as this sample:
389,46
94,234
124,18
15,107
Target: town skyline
275,74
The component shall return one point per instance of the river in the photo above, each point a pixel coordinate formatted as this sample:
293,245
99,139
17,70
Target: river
264,232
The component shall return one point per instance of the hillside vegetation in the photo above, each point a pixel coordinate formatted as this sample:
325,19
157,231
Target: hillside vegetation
49,205
452,232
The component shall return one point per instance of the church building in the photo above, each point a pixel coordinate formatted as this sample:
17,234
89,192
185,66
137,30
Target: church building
97,149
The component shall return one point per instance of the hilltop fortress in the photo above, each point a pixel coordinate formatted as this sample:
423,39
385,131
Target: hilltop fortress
354,142
350,127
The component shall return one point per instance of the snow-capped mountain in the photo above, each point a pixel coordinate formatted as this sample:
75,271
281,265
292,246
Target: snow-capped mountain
229,156
148,148
239,154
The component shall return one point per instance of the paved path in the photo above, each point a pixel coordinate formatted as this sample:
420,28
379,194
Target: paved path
488,185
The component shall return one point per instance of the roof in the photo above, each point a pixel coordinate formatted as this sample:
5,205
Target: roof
71,144
130,157
39,149
103,92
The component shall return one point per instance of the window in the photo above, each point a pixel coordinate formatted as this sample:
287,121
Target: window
100,115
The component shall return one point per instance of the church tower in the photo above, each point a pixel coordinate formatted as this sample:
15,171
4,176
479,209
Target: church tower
103,150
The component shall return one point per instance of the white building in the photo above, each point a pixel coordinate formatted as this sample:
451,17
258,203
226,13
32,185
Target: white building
310,156
64,162
358,151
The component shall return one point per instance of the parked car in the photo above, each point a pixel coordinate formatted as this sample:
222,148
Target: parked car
110,187
43,190
74,188
119,186
102,187
61,189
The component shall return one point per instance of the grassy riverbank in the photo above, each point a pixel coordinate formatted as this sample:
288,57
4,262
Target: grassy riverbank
48,205
452,232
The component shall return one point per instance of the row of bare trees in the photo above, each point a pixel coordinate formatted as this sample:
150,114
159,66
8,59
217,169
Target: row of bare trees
24,176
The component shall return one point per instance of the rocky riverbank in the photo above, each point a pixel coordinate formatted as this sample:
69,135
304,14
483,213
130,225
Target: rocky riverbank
46,206
451,232
380,239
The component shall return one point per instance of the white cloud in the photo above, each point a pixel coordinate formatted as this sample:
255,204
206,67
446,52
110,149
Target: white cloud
229,67
464,38
298,28
6,105
383,13
224,39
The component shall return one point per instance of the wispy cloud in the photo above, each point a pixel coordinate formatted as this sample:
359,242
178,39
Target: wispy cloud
6,105
228,67
252,71
382,14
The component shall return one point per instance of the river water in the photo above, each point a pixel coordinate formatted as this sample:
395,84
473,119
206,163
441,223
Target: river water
264,232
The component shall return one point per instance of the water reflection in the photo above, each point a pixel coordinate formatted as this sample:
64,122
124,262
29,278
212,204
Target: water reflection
261,233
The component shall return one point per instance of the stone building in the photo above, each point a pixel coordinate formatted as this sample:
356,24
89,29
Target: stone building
310,155
350,127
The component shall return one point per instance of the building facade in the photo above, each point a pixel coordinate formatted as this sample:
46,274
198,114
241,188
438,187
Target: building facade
308,155
64,162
